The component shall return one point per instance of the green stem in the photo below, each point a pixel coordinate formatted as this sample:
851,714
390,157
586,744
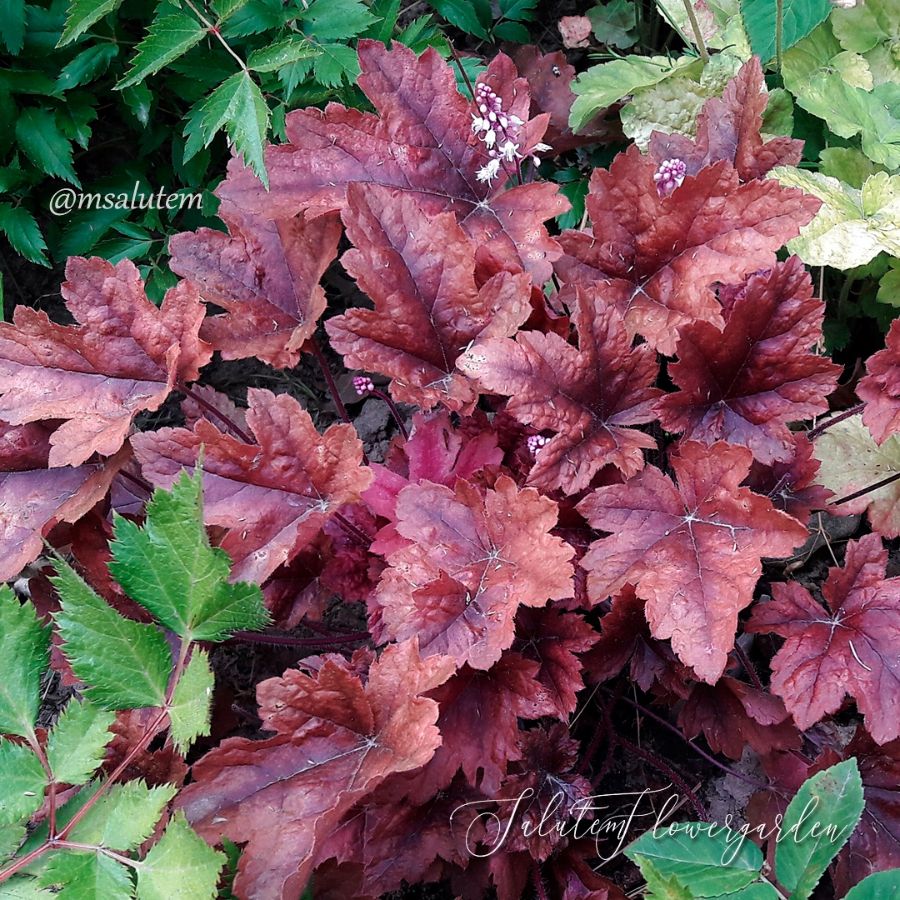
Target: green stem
779,32
695,27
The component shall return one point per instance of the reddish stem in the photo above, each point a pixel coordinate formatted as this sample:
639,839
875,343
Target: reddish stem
749,668
140,481
813,433
665,769
462,71
395,412
329,379
229,423
539,889
351,529
287,640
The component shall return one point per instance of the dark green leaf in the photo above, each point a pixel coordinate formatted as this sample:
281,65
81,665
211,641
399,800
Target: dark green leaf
471,17
77,741
45,145
22,783
86,66
79,875
336,63
82,14
337,20
12,24
281,53
23,233
166,40
880,886
800,17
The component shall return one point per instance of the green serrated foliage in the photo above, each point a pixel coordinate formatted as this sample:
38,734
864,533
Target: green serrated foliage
169,567
281,53
615,24
166,40
847,164
125,664
181,864
852,226
659,886
81,14
12,25
817,823
23,233
11,838
800,17
880,886
601,86
189,711
335,64
24,656
124,817
471,16
711,865
41,140
238,107
85,67
75,745
889,286
22,783
75,875
337,20
872,29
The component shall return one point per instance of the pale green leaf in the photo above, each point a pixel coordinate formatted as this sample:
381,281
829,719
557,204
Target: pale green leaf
24,656
847,164
669,107
23,888
167,39
852,226
778,117
124,817
817,823
601,86
337,20
180,864
86,876
81,14
800,17
189,711
715,865
873,29
75,745
23,233
889,286
125,664
22,783
169,567
470,16
880,886
281,53
238,106
42,141
659,886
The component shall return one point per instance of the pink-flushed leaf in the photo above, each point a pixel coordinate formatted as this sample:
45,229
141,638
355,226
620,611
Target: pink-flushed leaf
473,560
554,639
744,384
790,485
880,389
273,497
733,715
658,257
420,271
338,737
549,77
479,725
848,646
34,498
265,274
436,451
728,128
588,396
420,141
693,551
125,357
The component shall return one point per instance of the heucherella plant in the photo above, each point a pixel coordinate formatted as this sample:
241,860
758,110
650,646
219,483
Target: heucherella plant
72,822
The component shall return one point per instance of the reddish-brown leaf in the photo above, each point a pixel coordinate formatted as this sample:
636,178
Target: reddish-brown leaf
472,561
692,551
745,383
728,128
549,77
848,646
588,396
34,498
733,715
338,738
124,357
272,497
880,389
419,270
657,258
554,639
420,142
790,485
265,273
